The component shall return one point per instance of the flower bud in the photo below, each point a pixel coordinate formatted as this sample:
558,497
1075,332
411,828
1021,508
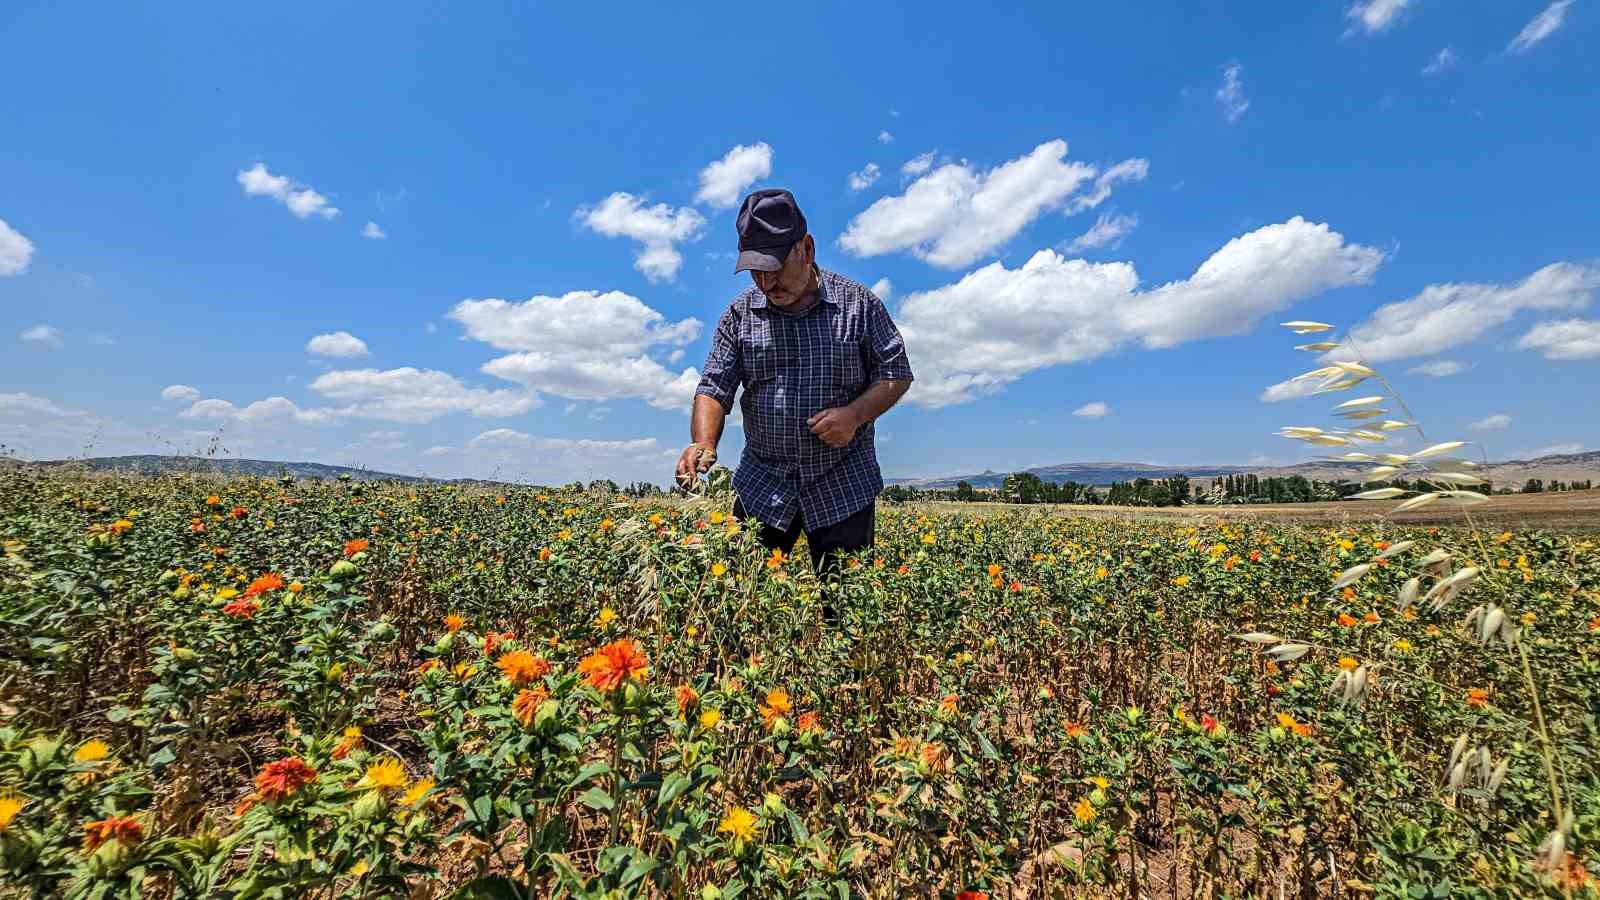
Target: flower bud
772,804
370,805
342,568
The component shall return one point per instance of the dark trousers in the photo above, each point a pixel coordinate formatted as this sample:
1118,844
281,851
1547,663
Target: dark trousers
854,533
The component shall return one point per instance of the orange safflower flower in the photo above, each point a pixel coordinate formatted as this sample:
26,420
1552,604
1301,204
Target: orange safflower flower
453,622
122,829
213,500
492,640
948,704
994,570
352,547
1370,618
544,554
932,755
1347,621
239,512
268,582
777,706
1210,725
522,667
243,608
614,663
1255,556
1477,697
809,722
1076,730
196,526
282,778
348,742
686,697
427,667
527,703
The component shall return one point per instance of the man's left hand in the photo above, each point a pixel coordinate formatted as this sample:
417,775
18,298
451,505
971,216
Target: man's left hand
835,427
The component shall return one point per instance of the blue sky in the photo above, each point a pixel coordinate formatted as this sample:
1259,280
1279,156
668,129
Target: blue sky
493,239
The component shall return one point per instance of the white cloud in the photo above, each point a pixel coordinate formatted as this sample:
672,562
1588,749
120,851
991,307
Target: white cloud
509,438
860,181
883,289
1094,410
42,334
918,164
1496,422
1442,317
1439,368
1127,170
956,214
339,344
1373,16
179,392
1293,389
373,232
1443,62
301,200
22,403
1569,339
15,250
1106,230
657,229
997,324
1551,450
1230,96
439,451
885,137
1540,27
413,395
584,345
723,182
270,409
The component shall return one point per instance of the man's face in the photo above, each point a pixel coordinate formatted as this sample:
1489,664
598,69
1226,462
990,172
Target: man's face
788,285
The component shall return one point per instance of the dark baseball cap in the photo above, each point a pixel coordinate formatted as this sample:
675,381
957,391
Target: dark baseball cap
769,223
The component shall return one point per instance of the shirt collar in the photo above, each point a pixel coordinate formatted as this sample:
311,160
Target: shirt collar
758,300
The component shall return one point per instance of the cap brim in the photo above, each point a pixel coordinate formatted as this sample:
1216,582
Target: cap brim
760,260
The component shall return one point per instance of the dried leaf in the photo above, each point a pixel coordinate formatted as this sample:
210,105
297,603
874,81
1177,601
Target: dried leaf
1351,575
1258,637
1359,402
1300,326
1438,449
1416,502
1388,493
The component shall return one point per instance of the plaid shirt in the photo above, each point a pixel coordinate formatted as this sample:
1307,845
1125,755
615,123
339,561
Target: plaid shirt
792,367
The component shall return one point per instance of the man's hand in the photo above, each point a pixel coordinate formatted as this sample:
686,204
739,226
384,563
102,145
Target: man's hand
696,458
836,427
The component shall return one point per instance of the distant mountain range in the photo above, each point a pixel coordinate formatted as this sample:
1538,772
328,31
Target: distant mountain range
1560,467
151,464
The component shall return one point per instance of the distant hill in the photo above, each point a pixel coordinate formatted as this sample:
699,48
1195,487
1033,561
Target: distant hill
151,464
1511,473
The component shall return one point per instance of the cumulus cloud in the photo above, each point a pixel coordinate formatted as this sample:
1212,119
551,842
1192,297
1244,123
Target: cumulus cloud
16,251
339,344
42,334
1569,339
658,229
723,182
509,438
1443,62
1444,316
373,232
860,181
1106,230
270,409
1551,450
1094,410
1540,27
919,164
1439,368
413,395
23,404
885,137
1496,422
997,324
300,199
955,214
1373,16
179,392
883,289
584,345
1230,96
1292,389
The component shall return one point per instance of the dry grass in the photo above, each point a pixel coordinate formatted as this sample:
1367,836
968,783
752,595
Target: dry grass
1566,511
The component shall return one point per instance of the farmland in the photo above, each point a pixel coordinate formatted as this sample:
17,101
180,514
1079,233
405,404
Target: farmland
263,688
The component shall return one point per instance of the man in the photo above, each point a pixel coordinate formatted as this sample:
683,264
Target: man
819,360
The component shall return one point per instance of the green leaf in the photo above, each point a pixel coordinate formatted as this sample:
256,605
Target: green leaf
643,864
672,787
597,798
497,887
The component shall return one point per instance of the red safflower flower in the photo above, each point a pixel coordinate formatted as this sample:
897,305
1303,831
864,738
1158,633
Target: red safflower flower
809,722
1255,556
612,664
527,704
352,547
686,697
122,829
492,640
282,778
972,895
196,526
243,608
268,582
522,667
239,512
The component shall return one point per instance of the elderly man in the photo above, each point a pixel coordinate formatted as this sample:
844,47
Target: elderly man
819,360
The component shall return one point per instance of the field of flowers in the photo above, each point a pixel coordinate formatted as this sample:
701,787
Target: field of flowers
257,688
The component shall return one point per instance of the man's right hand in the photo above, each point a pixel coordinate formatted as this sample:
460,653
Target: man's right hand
695,459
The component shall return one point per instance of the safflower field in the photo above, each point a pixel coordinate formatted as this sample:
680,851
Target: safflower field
259,688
